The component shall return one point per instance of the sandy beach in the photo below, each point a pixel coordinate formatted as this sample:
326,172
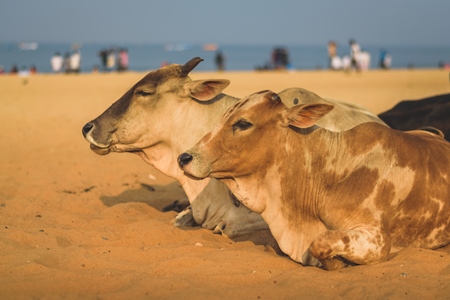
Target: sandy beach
75,225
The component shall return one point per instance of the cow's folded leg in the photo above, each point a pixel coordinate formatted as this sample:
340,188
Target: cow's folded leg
185,219
335,248
177,205
333,263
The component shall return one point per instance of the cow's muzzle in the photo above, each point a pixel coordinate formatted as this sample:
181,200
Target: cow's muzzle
87,128
184,159
96,147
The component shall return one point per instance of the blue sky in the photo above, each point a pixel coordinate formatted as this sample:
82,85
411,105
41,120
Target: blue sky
289,22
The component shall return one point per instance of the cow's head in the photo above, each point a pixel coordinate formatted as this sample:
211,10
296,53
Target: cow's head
151,111
249,136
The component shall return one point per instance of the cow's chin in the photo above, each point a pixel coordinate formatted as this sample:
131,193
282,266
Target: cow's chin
107,150
212,174
194,173
194,176
100,151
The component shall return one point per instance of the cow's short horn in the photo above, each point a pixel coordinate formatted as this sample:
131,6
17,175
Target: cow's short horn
276,98
190,65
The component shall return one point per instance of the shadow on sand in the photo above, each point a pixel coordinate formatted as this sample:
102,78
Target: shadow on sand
157,196
162,197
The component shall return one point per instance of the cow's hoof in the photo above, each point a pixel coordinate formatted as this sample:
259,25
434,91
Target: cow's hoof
219,229
185,219
332,264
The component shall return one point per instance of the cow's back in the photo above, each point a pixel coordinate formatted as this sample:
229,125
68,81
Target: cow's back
412,114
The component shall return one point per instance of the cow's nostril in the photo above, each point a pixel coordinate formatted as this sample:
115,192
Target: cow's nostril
184,159
87,128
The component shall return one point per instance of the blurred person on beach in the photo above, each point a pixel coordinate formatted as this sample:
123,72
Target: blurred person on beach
332,52
355,49
334,61
220,61
2,70
57,62
363,60
280,58
75,62
123,60
346,63
24,72
66,63
111,60
385,59
444,65
14,70
33,70
103,58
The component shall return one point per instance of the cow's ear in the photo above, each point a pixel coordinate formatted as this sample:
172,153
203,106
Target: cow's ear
306,115
205,90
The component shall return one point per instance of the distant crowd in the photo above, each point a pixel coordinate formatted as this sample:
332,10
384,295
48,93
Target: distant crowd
70,63
110,60
23,71
357,59
113,59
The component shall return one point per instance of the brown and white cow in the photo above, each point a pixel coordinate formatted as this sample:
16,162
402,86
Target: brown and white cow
167,112
329,198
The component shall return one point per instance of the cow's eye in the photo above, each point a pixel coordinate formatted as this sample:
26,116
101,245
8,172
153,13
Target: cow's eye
143,93
242,125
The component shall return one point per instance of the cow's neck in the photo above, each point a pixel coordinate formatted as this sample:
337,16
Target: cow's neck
296,224
164,159
197,120
265,198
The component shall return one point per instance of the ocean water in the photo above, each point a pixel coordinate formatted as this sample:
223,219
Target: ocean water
145,57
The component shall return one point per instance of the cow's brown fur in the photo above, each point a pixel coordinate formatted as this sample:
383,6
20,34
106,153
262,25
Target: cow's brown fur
352,196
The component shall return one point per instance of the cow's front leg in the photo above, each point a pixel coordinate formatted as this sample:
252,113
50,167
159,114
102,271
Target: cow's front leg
336,248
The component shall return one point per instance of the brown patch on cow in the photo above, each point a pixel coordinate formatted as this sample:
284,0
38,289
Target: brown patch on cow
426,207
418,215
349,189
346,240
369,135
385,195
